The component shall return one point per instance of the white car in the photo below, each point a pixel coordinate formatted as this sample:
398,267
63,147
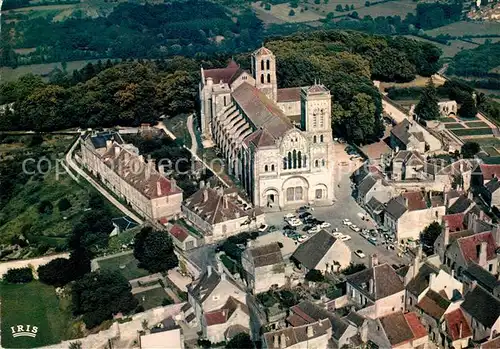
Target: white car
325,225
295,222
314,230
355,228
345,238
347,222
359,253
263,227
337,235
289,215
302,239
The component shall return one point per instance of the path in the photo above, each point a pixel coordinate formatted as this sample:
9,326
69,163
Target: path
194,142
162,126
97,186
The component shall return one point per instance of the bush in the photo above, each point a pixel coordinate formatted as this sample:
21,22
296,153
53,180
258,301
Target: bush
353,268
45,207
58,272
139,309
291,13
314,275
19,275
63,205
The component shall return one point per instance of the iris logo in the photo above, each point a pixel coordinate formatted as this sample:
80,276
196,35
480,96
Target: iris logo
24,331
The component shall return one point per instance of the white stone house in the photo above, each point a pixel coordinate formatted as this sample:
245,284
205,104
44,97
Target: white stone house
309,336
264,267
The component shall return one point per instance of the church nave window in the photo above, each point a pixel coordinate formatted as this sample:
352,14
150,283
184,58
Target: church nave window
285,163
272,168
321,139
315,139
268,77
316,163
262,65
262,78
323,163
266,168
304,162
268,64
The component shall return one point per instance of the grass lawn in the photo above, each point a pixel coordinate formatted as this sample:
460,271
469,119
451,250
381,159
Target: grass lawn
468,119
450,50
467,28
473,132
453,125
476,124
153,298
448,120
391,8
487,142
491,151
126,264
281,12
33,304
419,81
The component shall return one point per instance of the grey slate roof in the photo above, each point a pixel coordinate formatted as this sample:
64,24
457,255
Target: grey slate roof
482,276
459,206
396,207
266,255
375,205
420,282
482,305
355,319
124,223
386,281
493,185
311,251
366,184
99,140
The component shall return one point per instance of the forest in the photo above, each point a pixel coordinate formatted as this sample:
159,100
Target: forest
477,62
134,92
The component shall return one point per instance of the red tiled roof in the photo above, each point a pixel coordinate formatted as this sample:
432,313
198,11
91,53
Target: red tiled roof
291,94
179,232
490,171
454,320
468,246
416,201
223,314
222,74
416,326
455,221
491,344
296,320
216,317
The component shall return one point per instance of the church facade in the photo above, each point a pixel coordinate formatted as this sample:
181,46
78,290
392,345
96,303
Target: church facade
280,164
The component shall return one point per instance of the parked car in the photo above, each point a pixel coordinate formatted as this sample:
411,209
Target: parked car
355,228
304,215
295,222
335,230
263,227
302,238
359,253
373,240
307,227
345,237
289,215
325,225
346,222
315,230
337,235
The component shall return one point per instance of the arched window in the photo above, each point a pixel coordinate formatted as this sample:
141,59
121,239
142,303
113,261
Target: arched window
268,77
285,163
304,158
289,160
272,168
294,157
266,168
315,139
268,65
262,64
321,138
316,163
299,159
323,162
225,101
262,78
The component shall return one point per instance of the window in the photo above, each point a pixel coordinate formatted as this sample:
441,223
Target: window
290,194
298,193
316,163
285,162
490,267
262,65
268,78
294,157
272,168
314,139
262,78
289,160
266,168
225,100
315,120
268,65
319,193
304,158
323,163
321,139
244,77
299,159
321,121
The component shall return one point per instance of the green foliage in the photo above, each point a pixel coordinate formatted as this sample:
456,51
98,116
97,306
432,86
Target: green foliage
437,14
367,4
427,108
63,205
99,295
468,108
45,207
58,272
469,149
291,13
19,275
154,250
339,8
476,62
314,275
429,236
353,268
75,345
240,341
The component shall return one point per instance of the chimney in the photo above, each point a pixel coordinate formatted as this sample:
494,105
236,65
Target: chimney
406,201
210,82
481,215
276,341
282,340
310,332
220,268
483,257
446,233
226,204
205,195
371,286
496,234
460,330
209,270
223,276
202,184
173,184
249,243
109,142
373,260
473,285
158,188
416,265
432,280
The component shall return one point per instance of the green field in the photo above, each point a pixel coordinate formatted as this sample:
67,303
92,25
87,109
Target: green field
488,142
476,124
491,151
391,8
33,304
467,28
472,132
448,120
453,125
126,264
152,298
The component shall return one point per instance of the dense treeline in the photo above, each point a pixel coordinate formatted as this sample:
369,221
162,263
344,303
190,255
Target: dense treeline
133,30
13,4
476,62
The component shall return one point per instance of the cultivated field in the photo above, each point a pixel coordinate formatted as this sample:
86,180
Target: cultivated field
281,11
450,50
33,304
467,28
392,8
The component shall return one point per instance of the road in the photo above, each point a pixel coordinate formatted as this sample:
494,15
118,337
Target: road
71,163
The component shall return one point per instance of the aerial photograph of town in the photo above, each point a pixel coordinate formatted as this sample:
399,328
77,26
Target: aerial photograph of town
250,174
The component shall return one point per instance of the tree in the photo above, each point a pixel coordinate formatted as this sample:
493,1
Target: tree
317,2
154,250
469,149
240,341
314,275
63,205
427,108
346,7
339,8
353,268
367,3
75,345
45,207
352,7
100,294
468,108
19,275
291,13
58,272
429,236
329,16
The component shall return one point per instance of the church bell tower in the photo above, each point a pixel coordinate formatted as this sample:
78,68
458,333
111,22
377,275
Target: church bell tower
264,72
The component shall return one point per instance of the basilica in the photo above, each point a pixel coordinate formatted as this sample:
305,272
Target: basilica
277,142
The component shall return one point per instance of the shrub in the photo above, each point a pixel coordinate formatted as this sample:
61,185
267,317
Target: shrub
63,205
45,207
314,275
291,13
19,275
